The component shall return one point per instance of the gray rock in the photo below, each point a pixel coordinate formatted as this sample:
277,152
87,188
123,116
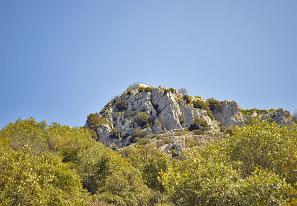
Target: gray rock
103,133
168,111
228,114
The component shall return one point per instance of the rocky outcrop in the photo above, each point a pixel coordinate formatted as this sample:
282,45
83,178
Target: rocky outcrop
295,117
144,111
228,113
280,116
162,110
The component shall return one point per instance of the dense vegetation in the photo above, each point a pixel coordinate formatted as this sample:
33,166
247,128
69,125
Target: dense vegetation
44,164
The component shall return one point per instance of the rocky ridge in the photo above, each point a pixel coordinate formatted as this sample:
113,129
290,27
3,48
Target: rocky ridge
144,111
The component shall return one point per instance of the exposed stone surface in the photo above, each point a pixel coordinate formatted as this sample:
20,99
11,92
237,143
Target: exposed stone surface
280,116
228,114
295,117
166,110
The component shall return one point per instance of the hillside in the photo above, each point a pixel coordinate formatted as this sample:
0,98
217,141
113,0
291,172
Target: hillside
146,113
153,146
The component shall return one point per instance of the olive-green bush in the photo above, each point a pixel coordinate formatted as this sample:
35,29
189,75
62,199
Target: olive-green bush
94,121
27,179
199,124
214,105
43,164
256,165
142,119
121,105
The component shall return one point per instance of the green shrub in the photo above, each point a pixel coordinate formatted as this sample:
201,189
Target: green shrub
145,89
27,179
187,99
108,199
139,133
28,135
115,133
172,90
105,172
254,166
169,90
31,178
200,104
267,146
94,121
143,141
190,142
163,140
180,132
181,119
142,119
158,123
198,181
214,105
198,132
199,124
121,105
150,161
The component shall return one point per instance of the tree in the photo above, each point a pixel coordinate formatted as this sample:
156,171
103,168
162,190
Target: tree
27,179
255,166
266,145
150,161
183,91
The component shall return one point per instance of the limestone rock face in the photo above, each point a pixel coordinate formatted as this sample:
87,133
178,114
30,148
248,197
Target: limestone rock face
280,116
228,114
144,111
165,110
295,117
104,133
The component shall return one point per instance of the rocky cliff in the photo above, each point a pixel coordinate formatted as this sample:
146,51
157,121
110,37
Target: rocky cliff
143,111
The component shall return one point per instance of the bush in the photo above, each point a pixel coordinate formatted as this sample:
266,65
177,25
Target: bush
169,90
200,104
106,172
121,105
199,124
115,133
108,198
139,133
214,105
150,161
187,99
267,146
199,182
143,141
144,89
55,178
28,135
142,119
255,166
27,179
94,121
172,90
163,140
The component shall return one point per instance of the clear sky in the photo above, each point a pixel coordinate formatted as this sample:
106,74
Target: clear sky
63,59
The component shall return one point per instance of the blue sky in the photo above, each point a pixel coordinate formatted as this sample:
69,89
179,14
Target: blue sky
63,59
